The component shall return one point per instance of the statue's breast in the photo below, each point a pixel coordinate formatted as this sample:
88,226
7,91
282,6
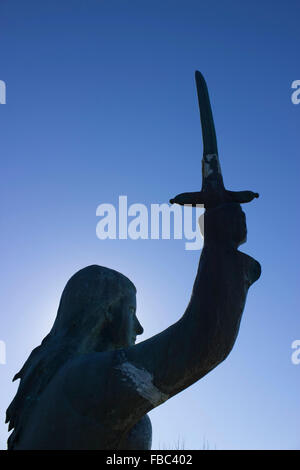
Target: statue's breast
139,437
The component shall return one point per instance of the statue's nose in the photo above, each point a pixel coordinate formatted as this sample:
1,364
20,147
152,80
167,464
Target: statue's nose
139,328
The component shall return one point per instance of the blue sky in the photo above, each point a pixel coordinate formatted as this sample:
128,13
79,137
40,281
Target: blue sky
101,102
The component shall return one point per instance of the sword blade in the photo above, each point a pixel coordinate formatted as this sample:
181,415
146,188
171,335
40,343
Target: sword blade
207,121
212,180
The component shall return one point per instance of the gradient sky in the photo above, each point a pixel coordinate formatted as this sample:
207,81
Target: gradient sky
101,102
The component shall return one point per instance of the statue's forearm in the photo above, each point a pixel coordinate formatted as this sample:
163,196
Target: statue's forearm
211,321
204,336
213,315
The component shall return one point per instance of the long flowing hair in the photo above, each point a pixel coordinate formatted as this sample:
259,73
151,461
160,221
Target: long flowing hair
81,318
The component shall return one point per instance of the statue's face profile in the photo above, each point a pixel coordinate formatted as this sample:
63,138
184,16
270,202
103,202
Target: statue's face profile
124,323
97,311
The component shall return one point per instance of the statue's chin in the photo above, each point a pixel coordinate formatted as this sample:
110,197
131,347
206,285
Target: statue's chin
243,241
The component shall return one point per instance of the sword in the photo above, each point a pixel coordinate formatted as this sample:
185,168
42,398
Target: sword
213,192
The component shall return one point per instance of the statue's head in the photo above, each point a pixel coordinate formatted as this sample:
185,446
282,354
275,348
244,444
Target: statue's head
225,224
96,313
97,310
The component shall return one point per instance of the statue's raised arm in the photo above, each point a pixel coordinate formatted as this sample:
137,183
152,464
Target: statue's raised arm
204,336
88,386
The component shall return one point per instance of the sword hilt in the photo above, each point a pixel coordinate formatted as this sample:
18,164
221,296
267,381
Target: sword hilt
213,192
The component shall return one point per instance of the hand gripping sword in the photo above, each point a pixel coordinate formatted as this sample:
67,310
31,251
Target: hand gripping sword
213,192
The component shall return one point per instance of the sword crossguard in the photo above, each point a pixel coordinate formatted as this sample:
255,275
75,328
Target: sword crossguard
213,199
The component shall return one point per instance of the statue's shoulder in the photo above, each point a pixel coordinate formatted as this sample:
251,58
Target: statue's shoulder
139,437
82,374
90,385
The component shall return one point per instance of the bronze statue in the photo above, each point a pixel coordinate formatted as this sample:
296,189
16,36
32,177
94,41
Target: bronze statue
88,385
